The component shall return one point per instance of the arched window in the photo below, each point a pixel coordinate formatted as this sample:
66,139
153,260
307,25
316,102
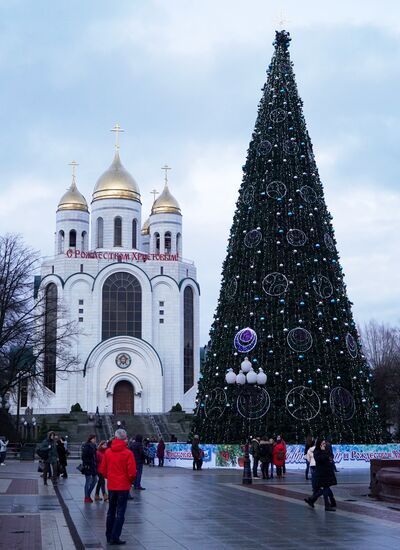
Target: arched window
122,306
179,244
118,231
188,339
72,238
84,241
61,238
156,243
100,232
134,234
50,337
167,242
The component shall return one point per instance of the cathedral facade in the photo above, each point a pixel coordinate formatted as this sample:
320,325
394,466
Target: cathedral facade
133,297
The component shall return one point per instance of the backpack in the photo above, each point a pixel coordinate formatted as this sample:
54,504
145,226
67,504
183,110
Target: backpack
42,453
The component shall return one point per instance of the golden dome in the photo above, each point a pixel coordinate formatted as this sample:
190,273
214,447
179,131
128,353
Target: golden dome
116,183
73,199
166,203
146,227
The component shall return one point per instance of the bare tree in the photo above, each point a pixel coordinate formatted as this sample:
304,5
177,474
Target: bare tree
381,344
36,335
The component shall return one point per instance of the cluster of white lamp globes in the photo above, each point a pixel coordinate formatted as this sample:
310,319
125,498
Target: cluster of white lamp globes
246,374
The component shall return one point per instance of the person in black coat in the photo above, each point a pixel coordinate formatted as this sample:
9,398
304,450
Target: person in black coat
89,466
324,476
138,452
62,458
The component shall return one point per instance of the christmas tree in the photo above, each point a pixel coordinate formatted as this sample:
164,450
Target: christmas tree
283,304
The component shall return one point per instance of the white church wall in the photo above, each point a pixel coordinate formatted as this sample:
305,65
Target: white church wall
167,336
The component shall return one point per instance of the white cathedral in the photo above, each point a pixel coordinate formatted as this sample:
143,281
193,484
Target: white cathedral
134,297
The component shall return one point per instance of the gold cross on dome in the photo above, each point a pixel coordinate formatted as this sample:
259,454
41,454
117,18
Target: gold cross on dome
154,193
117,129
74,164
166,168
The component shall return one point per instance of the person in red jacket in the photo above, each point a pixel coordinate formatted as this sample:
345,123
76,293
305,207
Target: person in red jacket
279,455
119,468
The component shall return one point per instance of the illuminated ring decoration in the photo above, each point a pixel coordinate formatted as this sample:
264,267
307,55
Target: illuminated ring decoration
248,195
265,147
278,115
252,238
245,340
342,403
296,237
303,403
299,339
308,194
322,286
275,284
284,66
351,345
290,147
253,403
231,288
329,242
276,190
215,404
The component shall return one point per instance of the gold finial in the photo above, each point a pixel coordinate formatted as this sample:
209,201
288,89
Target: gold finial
74,164
166,168
154,193
117,129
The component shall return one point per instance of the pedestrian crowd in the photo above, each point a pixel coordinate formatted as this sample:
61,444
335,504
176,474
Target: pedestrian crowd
112,469
268,453
320,465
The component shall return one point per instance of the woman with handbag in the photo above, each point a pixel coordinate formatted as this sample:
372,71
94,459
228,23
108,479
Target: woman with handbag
89,466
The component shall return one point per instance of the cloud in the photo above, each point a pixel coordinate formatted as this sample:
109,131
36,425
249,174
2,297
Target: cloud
367,223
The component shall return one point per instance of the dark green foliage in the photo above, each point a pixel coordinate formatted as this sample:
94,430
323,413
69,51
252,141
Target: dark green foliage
281,273
76,408
176,408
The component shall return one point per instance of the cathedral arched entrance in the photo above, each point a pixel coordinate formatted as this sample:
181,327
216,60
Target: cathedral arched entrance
123,398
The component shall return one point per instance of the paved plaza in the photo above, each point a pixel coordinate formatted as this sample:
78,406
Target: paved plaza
182,509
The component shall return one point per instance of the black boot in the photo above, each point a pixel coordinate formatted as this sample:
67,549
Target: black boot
309,501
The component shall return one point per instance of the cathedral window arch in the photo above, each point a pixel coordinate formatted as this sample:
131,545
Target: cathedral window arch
156,243
84,241
50,337
179,244
134,233
188,339
61,239
122,306
167,242
100,232
72,238
118,231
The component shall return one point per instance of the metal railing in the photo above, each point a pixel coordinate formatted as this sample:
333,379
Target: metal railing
108,427
154,424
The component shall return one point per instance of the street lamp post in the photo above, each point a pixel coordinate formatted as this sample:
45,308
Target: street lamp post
248,380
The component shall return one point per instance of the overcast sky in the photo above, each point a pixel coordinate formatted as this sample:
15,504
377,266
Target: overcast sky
183,79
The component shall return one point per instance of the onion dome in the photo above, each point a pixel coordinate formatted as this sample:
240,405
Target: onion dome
73,199
116,183
166,203
146,227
